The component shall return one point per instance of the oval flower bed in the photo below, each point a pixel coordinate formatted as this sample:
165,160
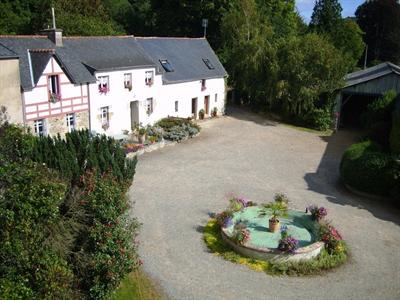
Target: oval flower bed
305,243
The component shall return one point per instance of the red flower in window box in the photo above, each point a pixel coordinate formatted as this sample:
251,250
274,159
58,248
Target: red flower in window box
103,88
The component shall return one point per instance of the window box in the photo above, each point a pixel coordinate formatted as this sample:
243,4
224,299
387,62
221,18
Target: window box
53,97
104,86
149,79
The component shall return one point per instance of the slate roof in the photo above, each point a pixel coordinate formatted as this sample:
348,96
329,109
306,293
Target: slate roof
185,56
371,73
108,53
80,57
7,53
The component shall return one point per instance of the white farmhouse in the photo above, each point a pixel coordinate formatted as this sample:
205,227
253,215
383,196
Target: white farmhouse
109,84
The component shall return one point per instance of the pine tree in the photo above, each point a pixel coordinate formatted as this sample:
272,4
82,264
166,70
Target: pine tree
326,16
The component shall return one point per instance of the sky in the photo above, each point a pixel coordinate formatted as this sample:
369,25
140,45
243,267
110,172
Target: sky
305,7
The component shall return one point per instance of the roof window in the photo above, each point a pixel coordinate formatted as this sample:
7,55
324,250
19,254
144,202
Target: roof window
166,65
208,64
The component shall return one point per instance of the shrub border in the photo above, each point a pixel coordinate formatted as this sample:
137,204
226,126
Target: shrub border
324,262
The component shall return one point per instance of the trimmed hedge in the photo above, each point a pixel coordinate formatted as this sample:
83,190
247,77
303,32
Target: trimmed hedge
366,168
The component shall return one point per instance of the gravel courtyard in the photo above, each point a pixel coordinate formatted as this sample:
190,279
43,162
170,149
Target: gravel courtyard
177,187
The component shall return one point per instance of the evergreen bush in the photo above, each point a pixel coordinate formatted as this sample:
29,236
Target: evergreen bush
380,110
64,236
395,134
366,168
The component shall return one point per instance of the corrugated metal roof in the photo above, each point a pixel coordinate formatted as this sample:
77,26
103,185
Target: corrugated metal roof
185,56
371,73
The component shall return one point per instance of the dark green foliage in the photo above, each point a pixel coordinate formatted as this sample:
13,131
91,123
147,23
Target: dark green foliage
81,151
366,168
29,208
380,20
380,110
395,134
62,238
107,250
320,119
327,16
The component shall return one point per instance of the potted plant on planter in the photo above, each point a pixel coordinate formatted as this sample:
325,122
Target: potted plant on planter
276,209
202,114
142,135
214,112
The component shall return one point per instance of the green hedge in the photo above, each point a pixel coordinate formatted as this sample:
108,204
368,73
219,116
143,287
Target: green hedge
366,168
65,231
395,134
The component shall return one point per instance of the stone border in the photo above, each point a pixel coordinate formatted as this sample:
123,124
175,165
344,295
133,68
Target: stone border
157,146
304,253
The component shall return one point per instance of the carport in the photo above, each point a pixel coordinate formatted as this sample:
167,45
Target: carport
363,87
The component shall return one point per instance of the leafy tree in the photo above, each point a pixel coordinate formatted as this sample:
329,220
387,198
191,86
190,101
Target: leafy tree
309,67
380,20
249,53
326,16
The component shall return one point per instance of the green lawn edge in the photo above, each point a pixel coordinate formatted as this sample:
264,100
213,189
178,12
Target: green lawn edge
325,261
137,286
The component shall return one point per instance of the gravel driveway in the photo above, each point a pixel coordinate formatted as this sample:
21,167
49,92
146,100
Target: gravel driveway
177,187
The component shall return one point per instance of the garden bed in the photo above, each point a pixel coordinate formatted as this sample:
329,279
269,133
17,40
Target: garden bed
238,236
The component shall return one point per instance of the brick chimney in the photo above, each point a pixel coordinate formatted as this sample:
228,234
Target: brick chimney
54,34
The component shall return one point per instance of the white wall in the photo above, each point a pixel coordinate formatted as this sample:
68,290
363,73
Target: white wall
119,99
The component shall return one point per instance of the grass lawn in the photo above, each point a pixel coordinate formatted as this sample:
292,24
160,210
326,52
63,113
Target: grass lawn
137,286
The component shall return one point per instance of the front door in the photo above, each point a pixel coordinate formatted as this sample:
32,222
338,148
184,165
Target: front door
134,114
194,108
207,105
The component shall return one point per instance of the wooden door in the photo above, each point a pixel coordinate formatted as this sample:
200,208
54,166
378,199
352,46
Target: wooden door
207,105
194,108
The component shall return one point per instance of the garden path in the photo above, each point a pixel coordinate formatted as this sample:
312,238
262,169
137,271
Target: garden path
176,188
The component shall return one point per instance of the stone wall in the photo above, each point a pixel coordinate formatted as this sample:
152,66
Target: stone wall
58,125
10,90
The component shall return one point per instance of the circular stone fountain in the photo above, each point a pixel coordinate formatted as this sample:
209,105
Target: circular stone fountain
263,244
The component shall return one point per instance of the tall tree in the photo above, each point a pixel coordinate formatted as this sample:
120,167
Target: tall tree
326,16
380,20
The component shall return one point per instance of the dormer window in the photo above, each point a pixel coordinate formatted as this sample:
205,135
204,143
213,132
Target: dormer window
128,81
104,86
167,65
54,88
149,79
203,85
208,63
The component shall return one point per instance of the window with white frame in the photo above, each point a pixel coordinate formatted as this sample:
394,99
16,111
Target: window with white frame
149,106
104,84
128,81
216,97
105,117
39,126
176,106
149,78
70,118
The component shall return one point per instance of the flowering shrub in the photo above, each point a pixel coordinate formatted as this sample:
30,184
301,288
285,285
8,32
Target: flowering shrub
331,237
317,213
288,244
239,203
240,234
224,218
103,89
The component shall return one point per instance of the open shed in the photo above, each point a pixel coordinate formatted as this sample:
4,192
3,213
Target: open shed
363,87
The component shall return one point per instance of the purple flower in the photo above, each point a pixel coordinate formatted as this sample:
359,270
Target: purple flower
288,244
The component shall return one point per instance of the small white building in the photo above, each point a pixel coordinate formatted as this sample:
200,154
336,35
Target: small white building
110,84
